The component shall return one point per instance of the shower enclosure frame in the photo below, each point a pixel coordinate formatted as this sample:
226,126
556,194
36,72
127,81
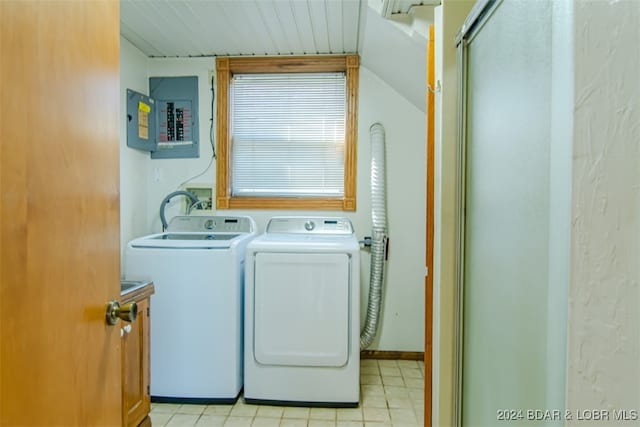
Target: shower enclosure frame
479,15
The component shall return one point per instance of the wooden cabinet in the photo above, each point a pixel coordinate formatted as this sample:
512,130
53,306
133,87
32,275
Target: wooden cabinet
136,400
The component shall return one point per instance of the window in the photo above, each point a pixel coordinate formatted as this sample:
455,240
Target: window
286,132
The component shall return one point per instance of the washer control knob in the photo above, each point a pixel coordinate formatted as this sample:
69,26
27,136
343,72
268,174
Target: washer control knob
309,225
210,224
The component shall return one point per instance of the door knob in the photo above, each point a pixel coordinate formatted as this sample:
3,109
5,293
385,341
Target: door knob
127,312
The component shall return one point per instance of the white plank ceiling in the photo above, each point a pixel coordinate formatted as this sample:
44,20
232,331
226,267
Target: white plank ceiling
169,28
192,28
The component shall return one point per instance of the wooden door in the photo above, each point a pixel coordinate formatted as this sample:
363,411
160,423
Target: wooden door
59,214
430,165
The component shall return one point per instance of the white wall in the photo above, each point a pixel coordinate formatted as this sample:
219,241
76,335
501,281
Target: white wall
380,52
134,164
402,326
604,320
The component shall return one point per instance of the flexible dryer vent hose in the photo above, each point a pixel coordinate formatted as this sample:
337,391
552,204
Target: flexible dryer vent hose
379,237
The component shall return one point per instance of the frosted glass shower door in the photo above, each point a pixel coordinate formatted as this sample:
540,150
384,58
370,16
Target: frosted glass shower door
506,227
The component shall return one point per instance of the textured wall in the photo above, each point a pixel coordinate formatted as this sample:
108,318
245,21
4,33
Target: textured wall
603,367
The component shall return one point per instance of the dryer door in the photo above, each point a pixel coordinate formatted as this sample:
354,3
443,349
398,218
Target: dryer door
301,311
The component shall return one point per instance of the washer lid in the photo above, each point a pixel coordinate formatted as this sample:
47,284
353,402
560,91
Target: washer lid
310,225
188,240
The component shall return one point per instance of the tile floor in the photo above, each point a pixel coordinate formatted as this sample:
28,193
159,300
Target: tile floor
391,395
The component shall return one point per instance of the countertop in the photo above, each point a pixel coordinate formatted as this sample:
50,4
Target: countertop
135,290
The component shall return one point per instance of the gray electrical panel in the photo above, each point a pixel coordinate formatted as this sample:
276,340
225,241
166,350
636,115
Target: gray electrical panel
177,129
141,121
166,122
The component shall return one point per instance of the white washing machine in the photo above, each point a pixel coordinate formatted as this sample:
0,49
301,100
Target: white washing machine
302,321
197,267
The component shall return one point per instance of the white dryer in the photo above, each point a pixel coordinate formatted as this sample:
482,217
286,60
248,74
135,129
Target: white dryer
197,267
302,321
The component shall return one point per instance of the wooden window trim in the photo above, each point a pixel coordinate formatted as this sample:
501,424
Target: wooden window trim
226,67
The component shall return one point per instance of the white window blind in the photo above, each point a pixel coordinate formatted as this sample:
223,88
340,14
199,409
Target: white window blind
288,134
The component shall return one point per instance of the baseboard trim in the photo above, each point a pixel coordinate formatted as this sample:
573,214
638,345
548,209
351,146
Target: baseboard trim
396,355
